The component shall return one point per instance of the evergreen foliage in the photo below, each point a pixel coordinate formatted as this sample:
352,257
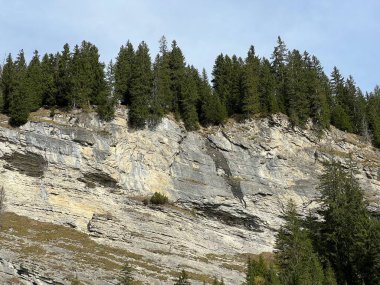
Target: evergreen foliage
140,88
251,103
260,273
297,260
123,73
292,82
349,236
19,101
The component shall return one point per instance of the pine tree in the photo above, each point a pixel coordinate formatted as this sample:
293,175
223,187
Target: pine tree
182,279
35,82
123,73
19,100
141,86
251,103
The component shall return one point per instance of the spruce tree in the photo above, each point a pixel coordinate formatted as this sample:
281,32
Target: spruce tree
141,86
347,232
49,71
260,273
35,82
297,261
279,60
318,90
64,77
188,99
251,103
106,98
177,68
123,73
8,78
88,78
161,97
267,89
211,110
19,100
296,100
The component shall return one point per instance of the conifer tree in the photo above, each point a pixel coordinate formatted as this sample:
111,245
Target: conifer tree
106,98
64,77
8,78
88,78
163,77
188,100
298,263
1,90
260,273
123,73
141,86
348,231
234,99
19,101
340,113
373,114
296,101
279,60
319,93
35,82
162,97
251,103
267,89
212,110
49,71
177,68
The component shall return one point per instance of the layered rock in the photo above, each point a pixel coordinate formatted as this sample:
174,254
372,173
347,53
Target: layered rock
227,186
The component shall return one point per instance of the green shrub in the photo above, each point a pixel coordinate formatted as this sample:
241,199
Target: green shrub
159,199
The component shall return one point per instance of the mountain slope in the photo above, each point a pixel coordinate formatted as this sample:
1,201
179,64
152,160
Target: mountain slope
74,190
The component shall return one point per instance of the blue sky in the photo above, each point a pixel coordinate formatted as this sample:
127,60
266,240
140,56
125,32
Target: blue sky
342,33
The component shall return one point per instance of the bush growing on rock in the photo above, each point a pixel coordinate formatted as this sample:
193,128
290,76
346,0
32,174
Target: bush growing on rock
159,199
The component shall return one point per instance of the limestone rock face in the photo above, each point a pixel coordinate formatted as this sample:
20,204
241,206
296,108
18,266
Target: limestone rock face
227,186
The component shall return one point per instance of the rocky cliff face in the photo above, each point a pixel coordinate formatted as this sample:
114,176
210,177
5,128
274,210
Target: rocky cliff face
74,190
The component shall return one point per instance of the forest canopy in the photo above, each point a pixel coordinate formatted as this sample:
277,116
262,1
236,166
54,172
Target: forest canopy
290,82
